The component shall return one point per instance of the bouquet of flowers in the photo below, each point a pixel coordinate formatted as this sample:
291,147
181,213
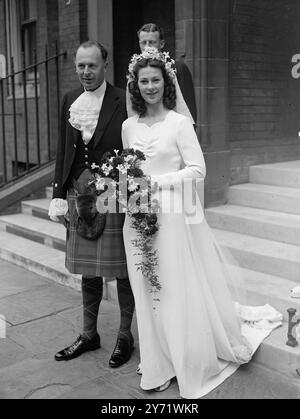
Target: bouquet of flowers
120,182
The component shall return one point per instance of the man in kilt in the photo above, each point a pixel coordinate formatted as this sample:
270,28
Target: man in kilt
91,122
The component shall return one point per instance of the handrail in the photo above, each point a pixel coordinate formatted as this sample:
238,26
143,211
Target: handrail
29,115
32,66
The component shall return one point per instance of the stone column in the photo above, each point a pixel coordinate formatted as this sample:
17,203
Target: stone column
202,39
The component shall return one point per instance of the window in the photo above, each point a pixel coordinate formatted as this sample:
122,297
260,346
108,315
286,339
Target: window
21,19
21,22
28,19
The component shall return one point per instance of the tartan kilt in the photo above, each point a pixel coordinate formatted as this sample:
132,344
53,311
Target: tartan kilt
102,257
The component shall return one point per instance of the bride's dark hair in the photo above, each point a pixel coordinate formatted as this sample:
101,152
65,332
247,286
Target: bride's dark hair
138,103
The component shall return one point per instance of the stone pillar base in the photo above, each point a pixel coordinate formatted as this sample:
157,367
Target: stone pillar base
218,177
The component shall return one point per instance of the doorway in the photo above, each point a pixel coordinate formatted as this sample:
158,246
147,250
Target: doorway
128,17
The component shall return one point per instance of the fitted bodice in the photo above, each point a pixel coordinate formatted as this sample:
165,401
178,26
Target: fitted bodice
173,156
169,146
157,142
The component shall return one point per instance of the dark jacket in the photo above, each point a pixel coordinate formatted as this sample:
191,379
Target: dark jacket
186,84
107,136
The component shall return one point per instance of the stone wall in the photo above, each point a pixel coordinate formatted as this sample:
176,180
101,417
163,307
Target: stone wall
264,98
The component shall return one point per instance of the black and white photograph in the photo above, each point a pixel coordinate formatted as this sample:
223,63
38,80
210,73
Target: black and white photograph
149,202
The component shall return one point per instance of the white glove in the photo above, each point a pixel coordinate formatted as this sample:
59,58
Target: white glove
58,207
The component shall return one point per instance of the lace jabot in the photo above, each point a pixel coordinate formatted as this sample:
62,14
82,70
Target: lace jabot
84,112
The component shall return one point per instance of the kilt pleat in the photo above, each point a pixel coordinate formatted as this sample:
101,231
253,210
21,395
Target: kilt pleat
102,257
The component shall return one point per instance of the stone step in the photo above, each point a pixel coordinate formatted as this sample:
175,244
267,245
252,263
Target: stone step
37,208
35,229
260,288
279,174
266,256
49,190
270,225
37,258
273,198
264,289
257,382
273,353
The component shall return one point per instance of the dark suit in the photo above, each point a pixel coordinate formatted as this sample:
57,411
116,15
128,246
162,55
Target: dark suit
186,84
105,256
107,136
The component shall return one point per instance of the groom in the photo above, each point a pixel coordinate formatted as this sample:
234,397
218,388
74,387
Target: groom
91,121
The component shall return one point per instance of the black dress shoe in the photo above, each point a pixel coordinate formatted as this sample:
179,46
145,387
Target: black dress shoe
77,348
122,352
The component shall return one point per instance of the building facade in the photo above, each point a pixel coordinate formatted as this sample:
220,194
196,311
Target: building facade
239,52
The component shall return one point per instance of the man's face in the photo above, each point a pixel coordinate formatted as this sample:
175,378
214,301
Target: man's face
90,67
150,39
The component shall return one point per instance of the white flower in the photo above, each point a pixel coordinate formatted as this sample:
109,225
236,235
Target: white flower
154,54
133,186
106,169
127,159
94,166
117,152
100,184
122,169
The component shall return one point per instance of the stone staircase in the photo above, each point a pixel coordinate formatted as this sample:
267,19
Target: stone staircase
260,225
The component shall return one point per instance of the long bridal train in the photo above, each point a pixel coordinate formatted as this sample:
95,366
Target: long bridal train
193,331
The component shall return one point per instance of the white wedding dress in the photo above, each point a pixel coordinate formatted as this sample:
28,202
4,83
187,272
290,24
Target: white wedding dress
193,332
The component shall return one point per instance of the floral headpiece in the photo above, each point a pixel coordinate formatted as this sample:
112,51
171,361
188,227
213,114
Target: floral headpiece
153,54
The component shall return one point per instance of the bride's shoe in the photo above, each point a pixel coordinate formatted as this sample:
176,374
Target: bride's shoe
163,387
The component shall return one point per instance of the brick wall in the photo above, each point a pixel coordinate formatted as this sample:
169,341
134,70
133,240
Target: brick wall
83,20
72,32
60,22
69,37
19,129
264,98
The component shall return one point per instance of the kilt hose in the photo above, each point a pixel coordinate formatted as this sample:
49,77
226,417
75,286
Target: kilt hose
96,258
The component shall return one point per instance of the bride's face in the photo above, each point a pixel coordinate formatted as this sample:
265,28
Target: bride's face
151,84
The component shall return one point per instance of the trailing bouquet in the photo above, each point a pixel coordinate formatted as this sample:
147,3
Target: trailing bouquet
122,185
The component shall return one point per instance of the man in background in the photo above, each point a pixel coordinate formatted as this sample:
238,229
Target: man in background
151,35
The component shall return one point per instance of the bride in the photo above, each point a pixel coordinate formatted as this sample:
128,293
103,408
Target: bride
191,328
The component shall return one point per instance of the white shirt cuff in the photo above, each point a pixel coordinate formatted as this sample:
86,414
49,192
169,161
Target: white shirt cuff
58,207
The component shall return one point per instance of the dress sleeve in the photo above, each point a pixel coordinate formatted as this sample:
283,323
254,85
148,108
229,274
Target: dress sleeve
124,135
192,156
